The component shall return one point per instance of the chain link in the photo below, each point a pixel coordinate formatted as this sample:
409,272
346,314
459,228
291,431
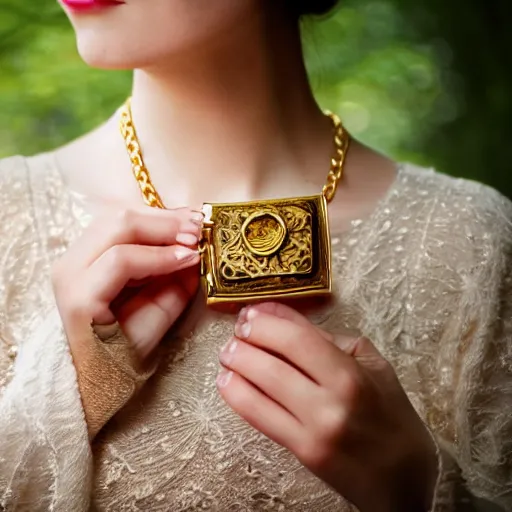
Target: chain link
140,171
151,196
341,145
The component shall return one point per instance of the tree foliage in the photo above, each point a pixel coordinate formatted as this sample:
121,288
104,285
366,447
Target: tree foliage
426,81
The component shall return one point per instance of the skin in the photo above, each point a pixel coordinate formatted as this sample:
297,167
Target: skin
342,413
128,266
224,112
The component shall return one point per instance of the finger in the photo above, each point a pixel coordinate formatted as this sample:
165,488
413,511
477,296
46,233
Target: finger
260,411
278,380
367,356
288,313
149,226
123,263
358,347
158,305
189,279
302,345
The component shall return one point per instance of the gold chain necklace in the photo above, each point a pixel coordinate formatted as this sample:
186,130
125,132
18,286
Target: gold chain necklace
258,250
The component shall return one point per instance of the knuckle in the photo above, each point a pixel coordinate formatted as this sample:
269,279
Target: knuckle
76,308
331,422
288,344
116,259
76,305
239,396
125,221
174,222
274,372
349,389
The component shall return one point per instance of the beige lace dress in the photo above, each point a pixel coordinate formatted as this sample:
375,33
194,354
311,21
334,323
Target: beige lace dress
427,277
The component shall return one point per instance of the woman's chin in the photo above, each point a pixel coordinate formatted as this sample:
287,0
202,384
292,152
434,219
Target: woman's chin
97,54
122,54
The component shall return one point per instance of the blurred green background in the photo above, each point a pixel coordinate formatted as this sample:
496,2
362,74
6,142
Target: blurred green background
427,81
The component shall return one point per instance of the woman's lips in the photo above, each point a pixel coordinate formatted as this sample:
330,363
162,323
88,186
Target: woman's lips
89,5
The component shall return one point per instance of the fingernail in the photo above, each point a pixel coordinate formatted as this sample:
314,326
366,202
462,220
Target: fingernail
243,330
184,253
196,217
223,378
142,350
251,314
228,351
186,239
242,315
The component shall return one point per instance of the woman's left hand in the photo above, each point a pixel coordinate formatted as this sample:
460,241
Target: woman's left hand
335,403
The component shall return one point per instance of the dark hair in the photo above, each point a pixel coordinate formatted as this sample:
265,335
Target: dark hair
312,7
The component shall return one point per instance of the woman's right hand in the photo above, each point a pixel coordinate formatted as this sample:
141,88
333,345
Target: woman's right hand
128,267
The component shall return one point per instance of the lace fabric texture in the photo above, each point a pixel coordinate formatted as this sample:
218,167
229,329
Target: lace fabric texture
427,278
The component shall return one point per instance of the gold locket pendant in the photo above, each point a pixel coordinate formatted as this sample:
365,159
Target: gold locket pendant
265,249
269,249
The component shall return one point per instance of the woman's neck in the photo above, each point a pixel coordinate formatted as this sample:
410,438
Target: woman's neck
216,123
232,121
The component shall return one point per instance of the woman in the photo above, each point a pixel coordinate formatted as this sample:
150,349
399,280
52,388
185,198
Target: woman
101,409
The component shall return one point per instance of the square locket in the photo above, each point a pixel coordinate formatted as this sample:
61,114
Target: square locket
261,250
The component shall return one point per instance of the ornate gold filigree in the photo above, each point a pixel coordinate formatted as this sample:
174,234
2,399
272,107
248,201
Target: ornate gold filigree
258,242
262,249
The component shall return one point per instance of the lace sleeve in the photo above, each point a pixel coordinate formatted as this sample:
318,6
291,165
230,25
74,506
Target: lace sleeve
44,449
45,460
476,471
